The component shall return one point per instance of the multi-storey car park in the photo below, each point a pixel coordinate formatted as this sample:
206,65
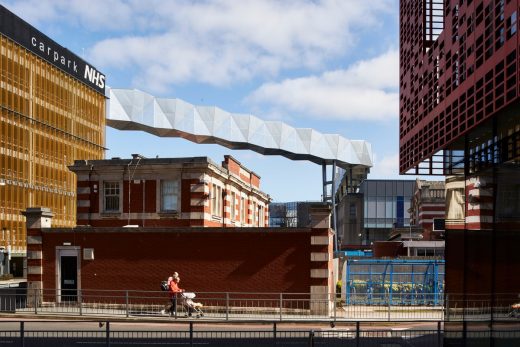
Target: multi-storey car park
52,111
460,117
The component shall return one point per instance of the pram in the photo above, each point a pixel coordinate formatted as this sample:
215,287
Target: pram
190,305
515,310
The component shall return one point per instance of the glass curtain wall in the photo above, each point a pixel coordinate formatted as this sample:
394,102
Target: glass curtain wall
386,205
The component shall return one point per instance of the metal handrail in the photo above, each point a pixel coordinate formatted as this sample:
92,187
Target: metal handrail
254,305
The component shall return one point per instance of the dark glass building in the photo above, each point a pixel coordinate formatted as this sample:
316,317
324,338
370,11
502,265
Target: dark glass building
460,117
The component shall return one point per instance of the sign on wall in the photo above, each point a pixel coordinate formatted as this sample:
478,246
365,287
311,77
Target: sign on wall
32,39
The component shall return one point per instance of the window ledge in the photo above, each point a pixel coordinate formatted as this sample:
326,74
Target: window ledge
168,214
110,214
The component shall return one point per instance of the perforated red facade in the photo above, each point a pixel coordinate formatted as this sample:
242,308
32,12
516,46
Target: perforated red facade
458,70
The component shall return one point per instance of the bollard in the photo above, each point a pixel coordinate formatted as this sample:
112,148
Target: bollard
311,338
274,332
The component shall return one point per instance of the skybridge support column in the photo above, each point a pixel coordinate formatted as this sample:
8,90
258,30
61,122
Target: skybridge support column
324,179
331,198
334,219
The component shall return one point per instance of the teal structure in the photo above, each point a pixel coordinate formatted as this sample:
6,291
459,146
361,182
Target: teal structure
394,281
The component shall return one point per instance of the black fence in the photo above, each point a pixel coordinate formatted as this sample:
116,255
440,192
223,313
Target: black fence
365,334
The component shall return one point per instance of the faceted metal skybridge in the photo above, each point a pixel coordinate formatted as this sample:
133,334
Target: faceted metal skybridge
131,109
137,110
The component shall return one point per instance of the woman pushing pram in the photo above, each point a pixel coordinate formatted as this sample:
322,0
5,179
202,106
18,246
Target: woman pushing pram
187,299
172,286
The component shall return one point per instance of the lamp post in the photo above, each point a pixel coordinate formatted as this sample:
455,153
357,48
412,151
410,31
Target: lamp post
130,178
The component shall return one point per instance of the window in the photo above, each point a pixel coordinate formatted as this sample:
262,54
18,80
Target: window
216,197
169,195
242,210
112,193
233,206
253,212
512,25
352,209
260,216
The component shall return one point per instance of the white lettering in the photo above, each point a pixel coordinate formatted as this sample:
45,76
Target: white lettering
54,56
101,83
89,72
94,76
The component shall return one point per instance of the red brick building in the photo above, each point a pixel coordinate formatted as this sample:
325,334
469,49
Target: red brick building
428,203
169,192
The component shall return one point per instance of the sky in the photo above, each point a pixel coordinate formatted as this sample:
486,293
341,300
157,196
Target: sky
330,65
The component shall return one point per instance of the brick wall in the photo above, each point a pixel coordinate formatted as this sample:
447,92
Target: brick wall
208,260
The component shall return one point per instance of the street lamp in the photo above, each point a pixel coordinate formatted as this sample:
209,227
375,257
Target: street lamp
130,178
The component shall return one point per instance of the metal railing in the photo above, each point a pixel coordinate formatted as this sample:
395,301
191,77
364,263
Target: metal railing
106,333
253,306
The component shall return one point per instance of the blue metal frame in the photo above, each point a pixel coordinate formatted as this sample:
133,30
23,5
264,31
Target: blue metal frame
385,282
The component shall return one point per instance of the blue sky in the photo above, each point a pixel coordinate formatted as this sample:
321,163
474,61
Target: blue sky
328,65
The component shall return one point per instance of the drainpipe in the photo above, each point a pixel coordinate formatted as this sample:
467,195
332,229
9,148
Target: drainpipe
89,177
224,194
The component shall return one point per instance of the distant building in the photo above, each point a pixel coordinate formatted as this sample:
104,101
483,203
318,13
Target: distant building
293,214
350,220
169,192
427,209
386,205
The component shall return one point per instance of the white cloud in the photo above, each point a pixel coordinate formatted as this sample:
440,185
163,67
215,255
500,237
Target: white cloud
367,90
386,168
215,42
95,15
